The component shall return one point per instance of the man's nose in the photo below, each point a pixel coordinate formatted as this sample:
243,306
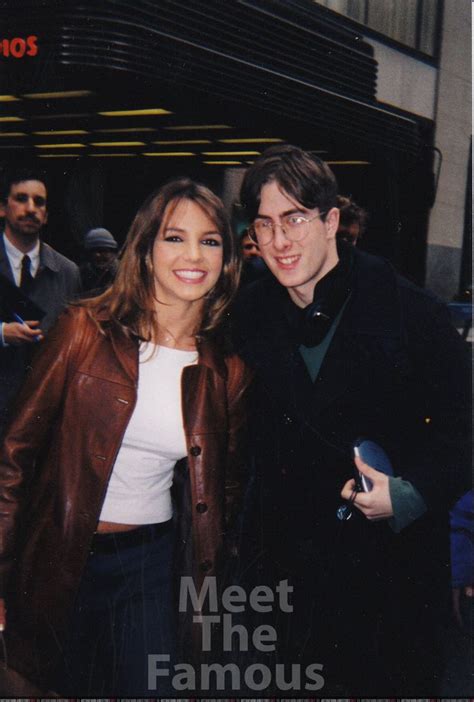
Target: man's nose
280,241
31,205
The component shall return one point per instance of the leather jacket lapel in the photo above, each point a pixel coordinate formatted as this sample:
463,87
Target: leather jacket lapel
203,391
126,350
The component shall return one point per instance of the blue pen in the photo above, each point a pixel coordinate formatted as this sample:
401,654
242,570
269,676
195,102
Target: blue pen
21,321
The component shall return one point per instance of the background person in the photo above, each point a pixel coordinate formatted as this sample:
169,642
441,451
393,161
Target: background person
459,628
100,268
44,279
253,266
248,247
462,561
352,220
127,385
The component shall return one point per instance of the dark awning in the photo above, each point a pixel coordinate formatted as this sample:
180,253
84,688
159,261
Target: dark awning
282,60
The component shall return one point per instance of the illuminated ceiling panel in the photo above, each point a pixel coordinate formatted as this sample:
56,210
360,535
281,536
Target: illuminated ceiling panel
117,143
147,112
60,146
124,130
251,140
169,154
231,153
90,113
65,94
61,132
197,127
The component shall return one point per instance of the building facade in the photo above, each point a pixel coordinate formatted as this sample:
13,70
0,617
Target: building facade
423,52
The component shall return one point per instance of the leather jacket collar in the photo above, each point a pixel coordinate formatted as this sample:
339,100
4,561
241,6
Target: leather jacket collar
126,348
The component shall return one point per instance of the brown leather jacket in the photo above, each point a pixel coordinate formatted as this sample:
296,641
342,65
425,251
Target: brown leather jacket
56,461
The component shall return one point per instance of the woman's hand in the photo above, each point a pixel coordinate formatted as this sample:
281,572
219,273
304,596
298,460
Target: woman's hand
375,504
3,615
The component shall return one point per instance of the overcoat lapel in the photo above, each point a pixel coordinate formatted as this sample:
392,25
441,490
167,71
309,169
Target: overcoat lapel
5,268
283,370
367,317
339,368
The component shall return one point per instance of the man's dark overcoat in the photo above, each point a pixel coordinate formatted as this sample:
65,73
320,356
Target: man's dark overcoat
56,283
366,599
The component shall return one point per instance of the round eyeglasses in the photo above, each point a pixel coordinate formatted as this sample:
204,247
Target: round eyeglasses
294,226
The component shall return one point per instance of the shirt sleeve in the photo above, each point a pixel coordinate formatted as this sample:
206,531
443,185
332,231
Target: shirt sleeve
407,503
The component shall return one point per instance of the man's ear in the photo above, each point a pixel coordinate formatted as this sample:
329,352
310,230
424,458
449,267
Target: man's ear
332,222
2,208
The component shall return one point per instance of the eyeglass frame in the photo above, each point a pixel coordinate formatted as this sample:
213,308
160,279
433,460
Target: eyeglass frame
253,235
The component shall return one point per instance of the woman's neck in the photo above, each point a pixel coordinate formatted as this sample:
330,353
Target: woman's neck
177,328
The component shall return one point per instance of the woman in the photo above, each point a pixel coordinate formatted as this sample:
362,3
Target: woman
126,385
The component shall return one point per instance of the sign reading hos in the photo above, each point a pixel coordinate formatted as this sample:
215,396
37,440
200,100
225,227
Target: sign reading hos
19,47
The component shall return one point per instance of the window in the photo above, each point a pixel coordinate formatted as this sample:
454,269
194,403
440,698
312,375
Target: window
413,23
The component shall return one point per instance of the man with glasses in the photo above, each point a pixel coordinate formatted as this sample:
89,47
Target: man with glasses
344,349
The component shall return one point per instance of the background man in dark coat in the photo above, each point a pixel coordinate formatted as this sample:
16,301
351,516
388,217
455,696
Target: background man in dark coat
345,348
100,267
36,281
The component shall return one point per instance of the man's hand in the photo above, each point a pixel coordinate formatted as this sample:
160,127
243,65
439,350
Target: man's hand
15,333
3,615
375,504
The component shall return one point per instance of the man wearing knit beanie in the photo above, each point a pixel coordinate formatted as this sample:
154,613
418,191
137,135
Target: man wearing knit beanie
98,272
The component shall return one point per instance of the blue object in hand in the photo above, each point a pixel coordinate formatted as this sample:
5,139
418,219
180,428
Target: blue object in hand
374,456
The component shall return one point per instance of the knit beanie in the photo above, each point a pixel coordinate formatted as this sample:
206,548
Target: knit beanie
99,239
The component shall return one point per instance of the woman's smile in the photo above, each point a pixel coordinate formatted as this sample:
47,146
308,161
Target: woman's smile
187,254
191,276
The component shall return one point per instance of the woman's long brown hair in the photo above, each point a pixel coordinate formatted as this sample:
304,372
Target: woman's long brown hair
129,302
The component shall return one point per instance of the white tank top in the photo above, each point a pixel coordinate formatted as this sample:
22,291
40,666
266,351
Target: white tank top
139,488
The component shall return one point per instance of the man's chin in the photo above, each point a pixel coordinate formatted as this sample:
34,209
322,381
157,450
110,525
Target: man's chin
289,279
30,230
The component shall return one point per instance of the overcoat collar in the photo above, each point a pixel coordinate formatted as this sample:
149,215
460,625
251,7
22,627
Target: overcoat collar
47,259
372,311
374,306
372,316
5,268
